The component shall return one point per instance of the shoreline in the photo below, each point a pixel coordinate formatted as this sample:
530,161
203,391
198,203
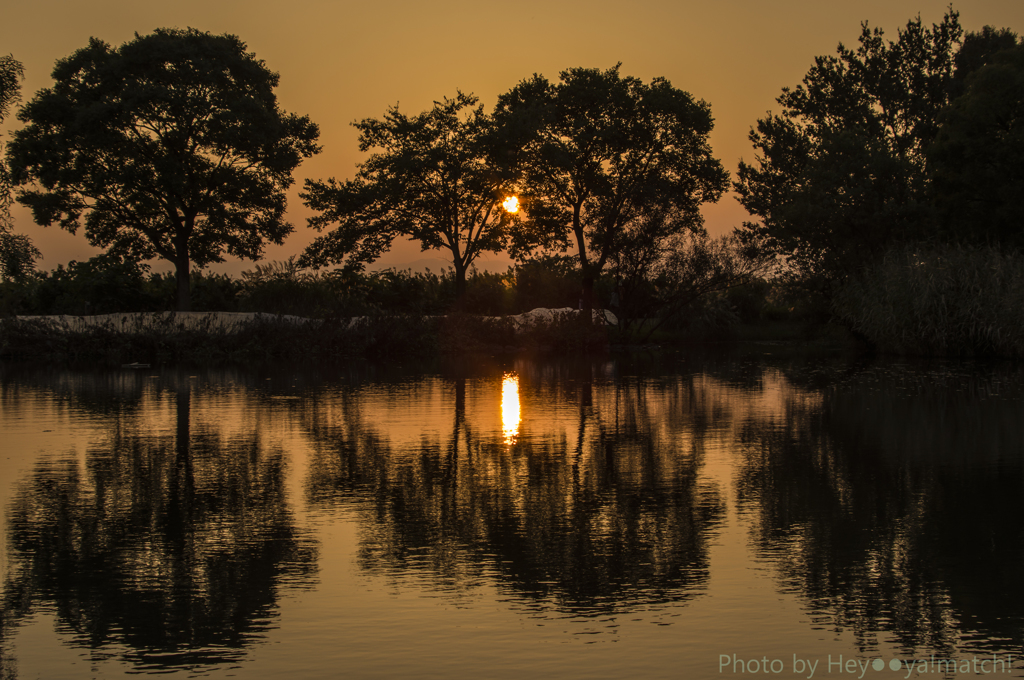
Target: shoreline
163,337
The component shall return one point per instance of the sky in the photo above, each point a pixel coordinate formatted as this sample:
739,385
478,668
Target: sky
343,61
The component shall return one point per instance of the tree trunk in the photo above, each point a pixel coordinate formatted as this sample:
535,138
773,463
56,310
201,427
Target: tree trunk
587,296
460,421
181,276
460,284
181,487
587,287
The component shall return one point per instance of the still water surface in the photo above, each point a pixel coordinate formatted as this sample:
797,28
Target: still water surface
684,516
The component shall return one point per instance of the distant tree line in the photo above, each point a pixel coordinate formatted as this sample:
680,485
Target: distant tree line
173,146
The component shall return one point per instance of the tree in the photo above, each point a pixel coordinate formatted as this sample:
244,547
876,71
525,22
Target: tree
978,181
17,254
430,182
597,152
172,145
840,175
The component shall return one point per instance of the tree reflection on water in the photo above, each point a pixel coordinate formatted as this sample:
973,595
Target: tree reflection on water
170,545
892,503
883,498
608,516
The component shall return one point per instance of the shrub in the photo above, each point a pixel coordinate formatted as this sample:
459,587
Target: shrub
939,300
490,293
547,281
103,284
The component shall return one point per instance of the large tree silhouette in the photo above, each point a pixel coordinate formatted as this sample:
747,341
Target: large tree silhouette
598,152
172,146
429,181
839,175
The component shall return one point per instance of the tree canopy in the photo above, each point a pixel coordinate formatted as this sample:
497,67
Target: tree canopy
605,160
840,175
172,146
975,162
11,73
17,254
428,180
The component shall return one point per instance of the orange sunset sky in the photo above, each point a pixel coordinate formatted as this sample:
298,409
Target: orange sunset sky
343,61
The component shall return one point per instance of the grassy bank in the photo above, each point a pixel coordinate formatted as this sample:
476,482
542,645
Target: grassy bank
176,338
210,338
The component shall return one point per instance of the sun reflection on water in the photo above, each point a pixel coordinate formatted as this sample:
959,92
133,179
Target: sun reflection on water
510,407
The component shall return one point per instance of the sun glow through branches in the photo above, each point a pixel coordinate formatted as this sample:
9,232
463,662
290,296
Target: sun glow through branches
511,204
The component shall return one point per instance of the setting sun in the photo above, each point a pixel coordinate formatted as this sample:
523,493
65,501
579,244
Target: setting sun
511,204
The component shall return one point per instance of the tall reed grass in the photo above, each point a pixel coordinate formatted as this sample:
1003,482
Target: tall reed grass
940,301
172,338
204,338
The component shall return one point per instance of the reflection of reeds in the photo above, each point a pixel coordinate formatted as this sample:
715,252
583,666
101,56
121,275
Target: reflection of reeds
940,301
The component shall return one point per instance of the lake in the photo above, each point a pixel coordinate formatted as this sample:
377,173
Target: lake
693,514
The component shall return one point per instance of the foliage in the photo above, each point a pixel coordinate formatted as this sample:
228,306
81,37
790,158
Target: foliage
546,280
408,292
939,300
107,284
685,274
172,145
285,288
839,176
104,284
11,73
429,182
378,315
978,181
489,293
977,50
17,254
599,151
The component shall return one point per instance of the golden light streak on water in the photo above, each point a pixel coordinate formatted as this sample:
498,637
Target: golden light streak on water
510,407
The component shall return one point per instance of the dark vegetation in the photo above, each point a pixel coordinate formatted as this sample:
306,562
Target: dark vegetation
891,185
385,314
885,200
